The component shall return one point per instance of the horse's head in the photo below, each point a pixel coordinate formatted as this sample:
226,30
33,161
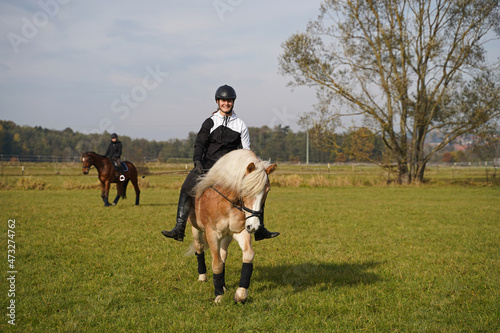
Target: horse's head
256,184
241,178
86,163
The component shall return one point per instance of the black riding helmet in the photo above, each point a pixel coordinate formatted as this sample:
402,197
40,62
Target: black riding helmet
114,136
225,92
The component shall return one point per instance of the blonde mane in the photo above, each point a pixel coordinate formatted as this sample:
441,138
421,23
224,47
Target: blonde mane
229,173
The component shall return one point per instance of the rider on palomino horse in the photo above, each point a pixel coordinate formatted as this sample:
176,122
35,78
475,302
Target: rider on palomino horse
221,133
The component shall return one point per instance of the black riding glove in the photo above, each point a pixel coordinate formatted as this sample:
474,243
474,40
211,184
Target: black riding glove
198,168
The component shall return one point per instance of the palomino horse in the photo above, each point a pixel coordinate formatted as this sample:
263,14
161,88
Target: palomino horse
229,205
108,175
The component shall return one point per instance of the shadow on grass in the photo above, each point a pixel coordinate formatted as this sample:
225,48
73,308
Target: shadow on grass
303,276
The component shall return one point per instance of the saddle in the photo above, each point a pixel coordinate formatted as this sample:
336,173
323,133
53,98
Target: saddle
124,168
122,164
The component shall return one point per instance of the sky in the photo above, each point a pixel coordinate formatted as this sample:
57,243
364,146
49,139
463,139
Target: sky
147,69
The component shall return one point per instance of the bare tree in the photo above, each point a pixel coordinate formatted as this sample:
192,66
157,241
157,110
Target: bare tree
406,67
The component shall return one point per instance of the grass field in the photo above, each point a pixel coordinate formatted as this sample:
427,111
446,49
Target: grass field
349,258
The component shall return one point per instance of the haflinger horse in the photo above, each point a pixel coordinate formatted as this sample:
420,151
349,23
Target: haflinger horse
108,175
229,205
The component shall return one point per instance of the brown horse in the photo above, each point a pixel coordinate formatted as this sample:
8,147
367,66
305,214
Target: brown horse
108,175
229,205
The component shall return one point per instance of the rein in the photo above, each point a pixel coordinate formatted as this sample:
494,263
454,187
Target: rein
242,208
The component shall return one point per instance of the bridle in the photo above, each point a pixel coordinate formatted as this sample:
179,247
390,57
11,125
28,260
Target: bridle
242,208
89,159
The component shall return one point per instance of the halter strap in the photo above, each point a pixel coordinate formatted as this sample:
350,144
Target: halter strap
256,213
90,162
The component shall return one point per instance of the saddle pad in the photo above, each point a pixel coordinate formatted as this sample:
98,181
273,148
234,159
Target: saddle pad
124,166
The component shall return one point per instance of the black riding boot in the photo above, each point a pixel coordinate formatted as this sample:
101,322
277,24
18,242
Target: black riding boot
262,232
183,208
118,168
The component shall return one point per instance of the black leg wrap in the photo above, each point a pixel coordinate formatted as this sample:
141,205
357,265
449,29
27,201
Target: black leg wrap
219,284
202,268
224,274
246,274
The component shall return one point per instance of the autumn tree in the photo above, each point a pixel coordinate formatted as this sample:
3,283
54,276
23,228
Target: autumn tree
362,144
405,67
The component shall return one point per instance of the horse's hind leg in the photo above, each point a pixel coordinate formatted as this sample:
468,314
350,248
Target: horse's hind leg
199,245
244,241
137,191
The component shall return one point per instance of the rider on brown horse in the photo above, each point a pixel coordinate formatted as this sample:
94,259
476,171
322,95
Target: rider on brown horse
114,153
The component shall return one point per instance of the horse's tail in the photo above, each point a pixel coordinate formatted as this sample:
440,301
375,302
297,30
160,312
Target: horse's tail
192,249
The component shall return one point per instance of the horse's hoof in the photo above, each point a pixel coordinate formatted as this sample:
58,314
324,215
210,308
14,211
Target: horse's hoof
114,204
202,278
218,299
241,295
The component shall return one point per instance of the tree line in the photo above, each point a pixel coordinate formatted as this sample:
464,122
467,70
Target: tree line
278,144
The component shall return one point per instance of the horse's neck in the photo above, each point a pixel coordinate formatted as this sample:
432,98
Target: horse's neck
99,162
230,194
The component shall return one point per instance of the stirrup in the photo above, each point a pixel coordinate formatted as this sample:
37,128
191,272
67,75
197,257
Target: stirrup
122,178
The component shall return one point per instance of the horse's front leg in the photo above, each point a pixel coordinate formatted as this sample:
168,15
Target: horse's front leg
224,245
119,193
105,193
199,245
217,264
244,240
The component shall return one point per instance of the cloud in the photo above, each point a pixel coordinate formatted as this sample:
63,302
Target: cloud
80,57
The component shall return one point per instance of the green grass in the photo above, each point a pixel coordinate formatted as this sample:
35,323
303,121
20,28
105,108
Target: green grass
169,175
365,258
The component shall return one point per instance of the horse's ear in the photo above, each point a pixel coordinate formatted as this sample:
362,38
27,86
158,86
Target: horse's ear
250,167
270,169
